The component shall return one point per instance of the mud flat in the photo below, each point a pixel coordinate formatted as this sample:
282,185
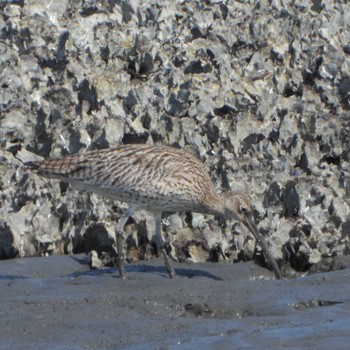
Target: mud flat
59,303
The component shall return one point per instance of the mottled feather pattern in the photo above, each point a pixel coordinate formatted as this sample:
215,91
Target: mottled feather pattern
147,175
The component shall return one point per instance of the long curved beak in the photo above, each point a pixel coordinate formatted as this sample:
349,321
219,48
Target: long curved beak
254,230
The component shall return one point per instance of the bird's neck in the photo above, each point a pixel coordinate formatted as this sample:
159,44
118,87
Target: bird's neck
214,204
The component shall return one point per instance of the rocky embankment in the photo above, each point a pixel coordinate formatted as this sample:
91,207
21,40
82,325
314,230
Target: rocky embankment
258,90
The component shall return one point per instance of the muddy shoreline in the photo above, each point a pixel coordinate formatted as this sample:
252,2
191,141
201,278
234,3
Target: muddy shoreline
59,303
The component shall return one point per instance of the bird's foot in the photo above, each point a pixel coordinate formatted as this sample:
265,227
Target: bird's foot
167,263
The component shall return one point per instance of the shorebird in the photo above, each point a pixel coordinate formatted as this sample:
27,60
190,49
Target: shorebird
154,178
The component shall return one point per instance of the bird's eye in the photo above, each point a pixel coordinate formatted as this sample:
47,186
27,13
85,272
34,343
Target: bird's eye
244,210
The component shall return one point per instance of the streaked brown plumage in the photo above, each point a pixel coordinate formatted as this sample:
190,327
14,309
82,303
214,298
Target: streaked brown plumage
155,178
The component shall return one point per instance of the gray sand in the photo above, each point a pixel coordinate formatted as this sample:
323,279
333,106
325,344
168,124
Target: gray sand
58,303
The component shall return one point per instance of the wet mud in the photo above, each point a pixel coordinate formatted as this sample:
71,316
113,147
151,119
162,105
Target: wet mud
59,303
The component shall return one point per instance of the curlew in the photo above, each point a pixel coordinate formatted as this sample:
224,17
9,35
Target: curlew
154,178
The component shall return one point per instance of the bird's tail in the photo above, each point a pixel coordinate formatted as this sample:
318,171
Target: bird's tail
32,165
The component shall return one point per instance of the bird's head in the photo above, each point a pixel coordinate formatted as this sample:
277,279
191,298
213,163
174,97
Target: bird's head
238,206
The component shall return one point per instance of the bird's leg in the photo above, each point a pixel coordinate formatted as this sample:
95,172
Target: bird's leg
119,241
161,246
